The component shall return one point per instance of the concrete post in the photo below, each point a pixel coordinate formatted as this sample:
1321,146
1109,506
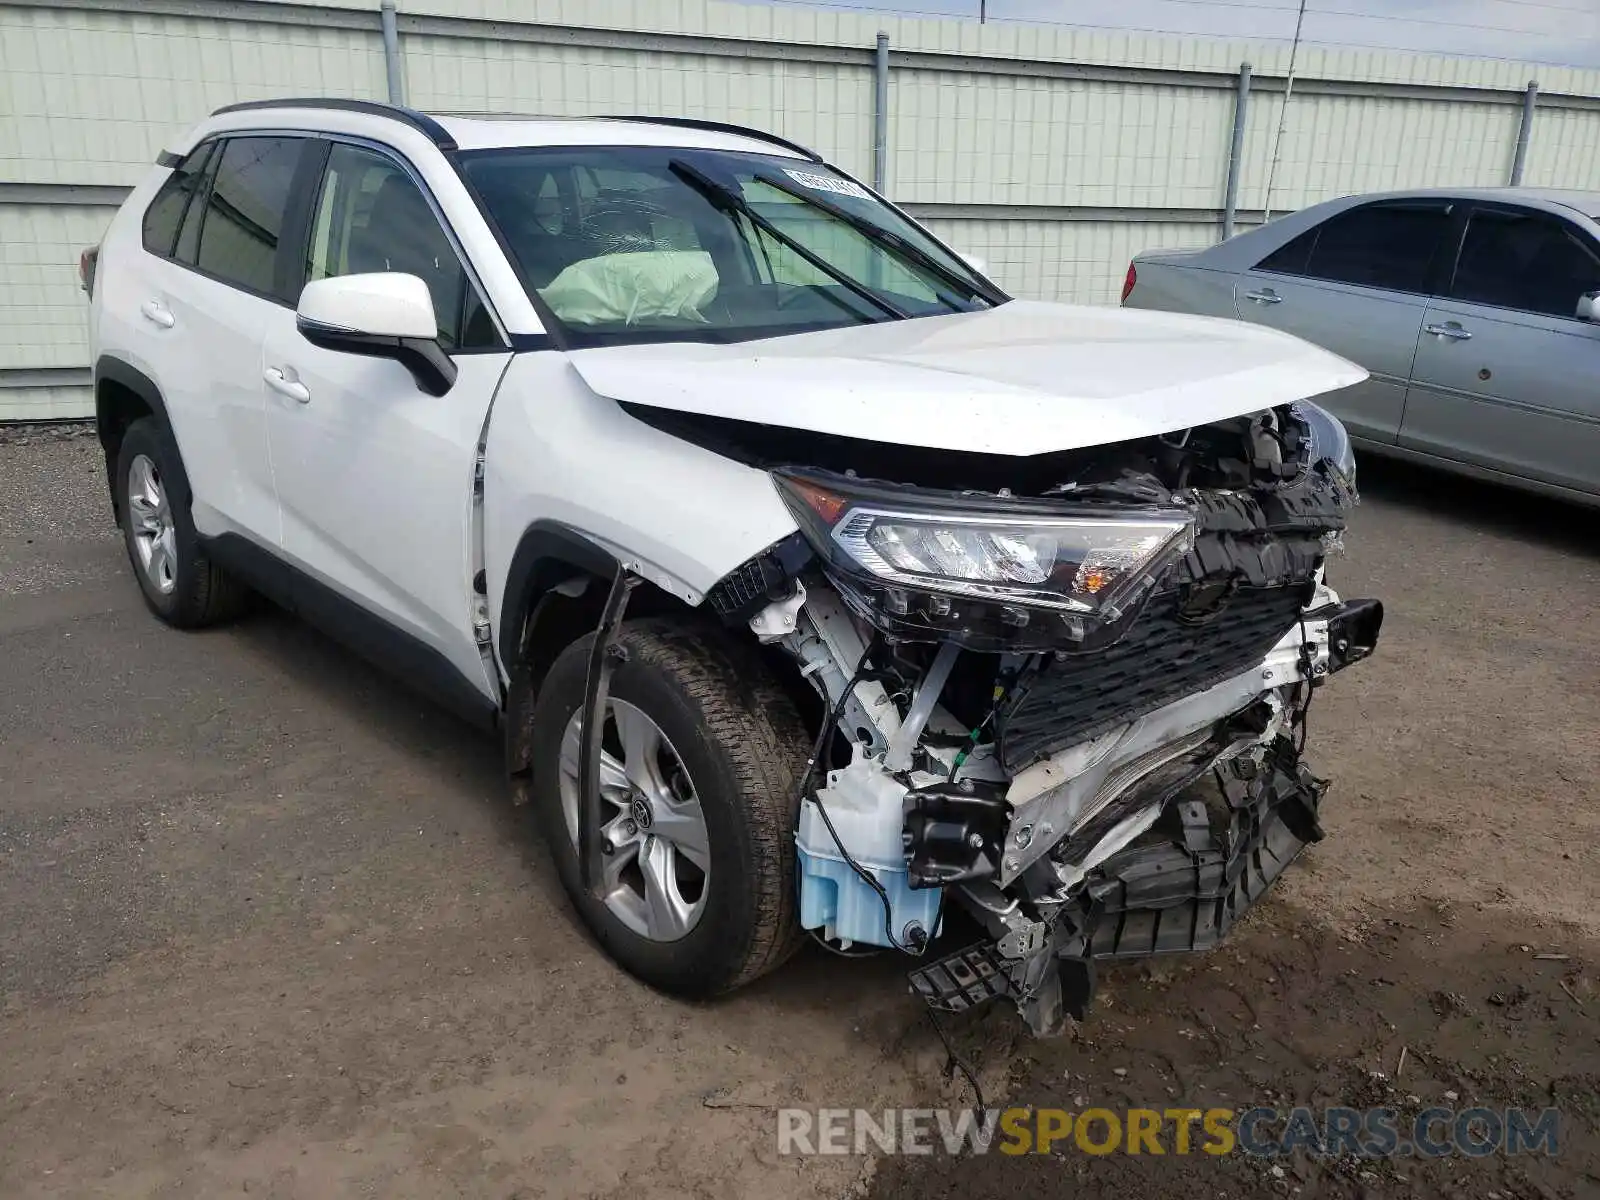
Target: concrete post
1230,195
391,52
1530,100
880,115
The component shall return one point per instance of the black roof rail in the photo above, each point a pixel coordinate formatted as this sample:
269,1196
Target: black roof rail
723,127
435,132
442,139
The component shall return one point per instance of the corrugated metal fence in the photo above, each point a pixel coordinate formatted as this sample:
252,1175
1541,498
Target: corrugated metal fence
1055,154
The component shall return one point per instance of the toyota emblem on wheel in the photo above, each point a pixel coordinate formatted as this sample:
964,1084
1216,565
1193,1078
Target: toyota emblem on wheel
641,812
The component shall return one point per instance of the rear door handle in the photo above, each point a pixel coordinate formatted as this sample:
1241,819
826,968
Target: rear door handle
157,314
1451,330
1264,296
282,384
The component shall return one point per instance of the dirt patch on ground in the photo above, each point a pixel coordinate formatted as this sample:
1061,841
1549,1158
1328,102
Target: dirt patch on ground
268,925
1292,1014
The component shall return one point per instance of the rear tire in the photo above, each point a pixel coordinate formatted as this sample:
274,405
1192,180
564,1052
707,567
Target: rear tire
741,746
179,583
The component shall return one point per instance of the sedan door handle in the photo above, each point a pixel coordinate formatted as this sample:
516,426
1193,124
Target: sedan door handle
282,384
1452,331
156,313
1265,296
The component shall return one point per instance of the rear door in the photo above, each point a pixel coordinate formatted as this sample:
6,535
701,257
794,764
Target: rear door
207,306
1506,376
197,332
1356,284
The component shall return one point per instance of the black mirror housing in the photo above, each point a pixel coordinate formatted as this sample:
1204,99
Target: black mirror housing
434,370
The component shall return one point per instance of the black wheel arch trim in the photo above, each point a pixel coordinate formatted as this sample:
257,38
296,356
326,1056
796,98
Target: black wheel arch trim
544,545
110,369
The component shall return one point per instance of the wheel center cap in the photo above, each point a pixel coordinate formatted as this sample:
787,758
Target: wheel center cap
642,814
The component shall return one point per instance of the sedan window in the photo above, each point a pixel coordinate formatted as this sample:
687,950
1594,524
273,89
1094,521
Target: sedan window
1377,245
1524,261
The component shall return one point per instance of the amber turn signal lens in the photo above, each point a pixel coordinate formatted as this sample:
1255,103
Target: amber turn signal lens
824,503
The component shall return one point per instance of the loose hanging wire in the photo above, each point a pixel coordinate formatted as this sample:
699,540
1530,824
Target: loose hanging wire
1283,113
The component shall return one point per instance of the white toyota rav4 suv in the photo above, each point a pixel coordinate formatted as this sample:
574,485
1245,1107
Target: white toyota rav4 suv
815,583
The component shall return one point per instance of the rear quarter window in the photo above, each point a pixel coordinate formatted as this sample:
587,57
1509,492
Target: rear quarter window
1291,257
165,215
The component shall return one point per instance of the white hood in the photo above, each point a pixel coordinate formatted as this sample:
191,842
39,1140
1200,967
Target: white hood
1024,378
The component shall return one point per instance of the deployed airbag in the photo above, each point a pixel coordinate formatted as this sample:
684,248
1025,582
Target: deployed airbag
648,285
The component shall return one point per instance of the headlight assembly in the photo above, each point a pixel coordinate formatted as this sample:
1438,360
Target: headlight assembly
932,549
1330,442
1086,566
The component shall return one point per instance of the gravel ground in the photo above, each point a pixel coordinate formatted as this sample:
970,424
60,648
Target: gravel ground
268,925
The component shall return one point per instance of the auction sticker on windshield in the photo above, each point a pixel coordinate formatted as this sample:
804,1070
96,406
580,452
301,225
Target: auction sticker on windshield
828,183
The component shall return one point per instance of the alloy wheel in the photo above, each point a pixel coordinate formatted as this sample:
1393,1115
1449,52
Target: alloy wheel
657,856
150,523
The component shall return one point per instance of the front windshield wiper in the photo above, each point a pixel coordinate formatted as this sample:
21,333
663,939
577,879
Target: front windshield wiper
730,201
892,242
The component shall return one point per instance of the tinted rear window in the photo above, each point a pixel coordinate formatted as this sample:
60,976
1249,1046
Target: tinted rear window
1377,245
245,214
165,214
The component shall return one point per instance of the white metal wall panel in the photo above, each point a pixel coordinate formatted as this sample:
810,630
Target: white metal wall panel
1006,39
43,314
825,106
964,138
46,403
1076,262
1336,145
90,97
1565,151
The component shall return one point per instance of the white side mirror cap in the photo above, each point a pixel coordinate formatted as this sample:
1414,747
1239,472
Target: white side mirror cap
976,261
385,304
1589,306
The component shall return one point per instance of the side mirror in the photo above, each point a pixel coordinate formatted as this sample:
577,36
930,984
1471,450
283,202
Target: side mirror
382,315
1589,306
976,261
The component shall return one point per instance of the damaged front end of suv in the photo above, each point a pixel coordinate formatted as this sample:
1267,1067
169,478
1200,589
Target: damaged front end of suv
1067,693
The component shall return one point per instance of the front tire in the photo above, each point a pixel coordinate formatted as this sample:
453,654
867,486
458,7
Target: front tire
179,583
702,754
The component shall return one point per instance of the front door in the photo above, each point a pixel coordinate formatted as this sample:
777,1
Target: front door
375,477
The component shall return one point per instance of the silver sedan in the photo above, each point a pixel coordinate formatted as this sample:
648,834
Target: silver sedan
1476,311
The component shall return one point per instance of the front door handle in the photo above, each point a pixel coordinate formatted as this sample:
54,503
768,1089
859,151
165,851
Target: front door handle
157,314
279,382
1450,330
1264,296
